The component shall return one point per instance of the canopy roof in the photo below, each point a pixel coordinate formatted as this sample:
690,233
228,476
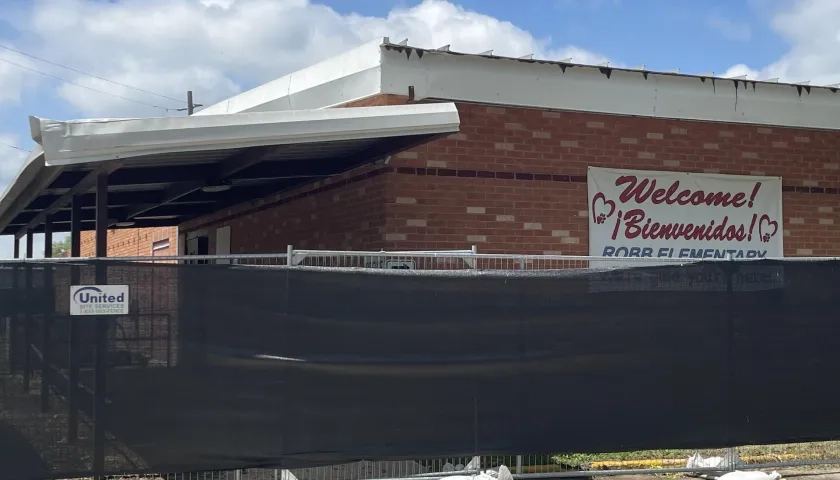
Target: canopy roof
164,171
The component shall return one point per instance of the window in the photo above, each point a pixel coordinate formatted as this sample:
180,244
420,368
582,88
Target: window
160,248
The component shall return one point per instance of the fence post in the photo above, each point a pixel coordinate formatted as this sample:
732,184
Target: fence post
100,367
731,454
290,255
731,459
27,326
73,366
237,474
518,464
46,357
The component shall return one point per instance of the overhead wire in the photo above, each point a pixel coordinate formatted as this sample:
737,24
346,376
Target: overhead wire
85,86
90,74
12,146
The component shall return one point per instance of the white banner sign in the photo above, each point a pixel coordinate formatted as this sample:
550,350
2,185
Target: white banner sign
635,213
99,300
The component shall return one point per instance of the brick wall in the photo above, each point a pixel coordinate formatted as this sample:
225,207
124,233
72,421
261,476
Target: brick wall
133,242
343,213
514,180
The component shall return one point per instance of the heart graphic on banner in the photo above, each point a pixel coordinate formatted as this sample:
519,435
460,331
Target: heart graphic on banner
767,228
602,209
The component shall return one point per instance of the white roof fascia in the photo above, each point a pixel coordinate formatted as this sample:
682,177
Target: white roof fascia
554,85
24,185
350,76
88,141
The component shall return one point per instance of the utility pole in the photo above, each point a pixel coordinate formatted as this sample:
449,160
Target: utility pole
190,105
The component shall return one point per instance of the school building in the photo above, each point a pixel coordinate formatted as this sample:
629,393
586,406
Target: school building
513,176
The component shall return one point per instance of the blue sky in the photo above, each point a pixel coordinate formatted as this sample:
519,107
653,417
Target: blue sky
661,34
221,47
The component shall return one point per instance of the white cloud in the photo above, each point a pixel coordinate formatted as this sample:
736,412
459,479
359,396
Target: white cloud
739,70
812,29
218,47
730,29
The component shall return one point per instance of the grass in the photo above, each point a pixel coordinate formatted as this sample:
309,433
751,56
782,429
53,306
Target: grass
760,453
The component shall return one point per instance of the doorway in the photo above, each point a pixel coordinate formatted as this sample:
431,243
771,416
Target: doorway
198,245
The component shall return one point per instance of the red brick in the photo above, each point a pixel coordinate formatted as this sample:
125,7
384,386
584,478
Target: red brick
133,242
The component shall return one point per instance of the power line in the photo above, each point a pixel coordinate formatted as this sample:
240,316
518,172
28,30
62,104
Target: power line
12,146
84,86
89,74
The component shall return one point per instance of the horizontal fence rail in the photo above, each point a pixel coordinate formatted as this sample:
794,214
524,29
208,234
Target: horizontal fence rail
435,259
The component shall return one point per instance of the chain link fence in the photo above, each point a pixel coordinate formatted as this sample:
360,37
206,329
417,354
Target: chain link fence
149,340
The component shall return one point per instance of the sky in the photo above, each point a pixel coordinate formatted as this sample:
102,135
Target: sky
69,59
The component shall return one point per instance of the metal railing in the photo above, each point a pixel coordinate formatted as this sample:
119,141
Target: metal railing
526,466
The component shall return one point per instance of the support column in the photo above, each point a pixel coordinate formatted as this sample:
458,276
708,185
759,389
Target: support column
73,330
100,367
49,309
27,315
14,318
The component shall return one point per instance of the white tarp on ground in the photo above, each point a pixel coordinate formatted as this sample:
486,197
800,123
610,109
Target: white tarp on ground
699,461
85,141
502,473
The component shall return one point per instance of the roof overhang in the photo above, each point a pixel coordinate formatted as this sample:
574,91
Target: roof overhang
165,171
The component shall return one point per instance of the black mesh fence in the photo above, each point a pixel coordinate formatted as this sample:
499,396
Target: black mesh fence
219,367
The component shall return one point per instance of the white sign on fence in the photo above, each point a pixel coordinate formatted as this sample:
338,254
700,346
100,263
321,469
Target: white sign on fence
99,300
653,214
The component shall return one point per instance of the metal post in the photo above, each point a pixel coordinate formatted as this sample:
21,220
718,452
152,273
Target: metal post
290,255
49,307
13,318
30,244
730,367
190,105
237,475
100,362
731,459
27,316
73,348
518,464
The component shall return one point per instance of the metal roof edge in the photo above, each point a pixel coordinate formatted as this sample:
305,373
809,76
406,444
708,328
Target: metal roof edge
566,86
604,69
345,77
32,177
66,143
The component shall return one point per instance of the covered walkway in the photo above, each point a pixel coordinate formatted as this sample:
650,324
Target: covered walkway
133,173
99,174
